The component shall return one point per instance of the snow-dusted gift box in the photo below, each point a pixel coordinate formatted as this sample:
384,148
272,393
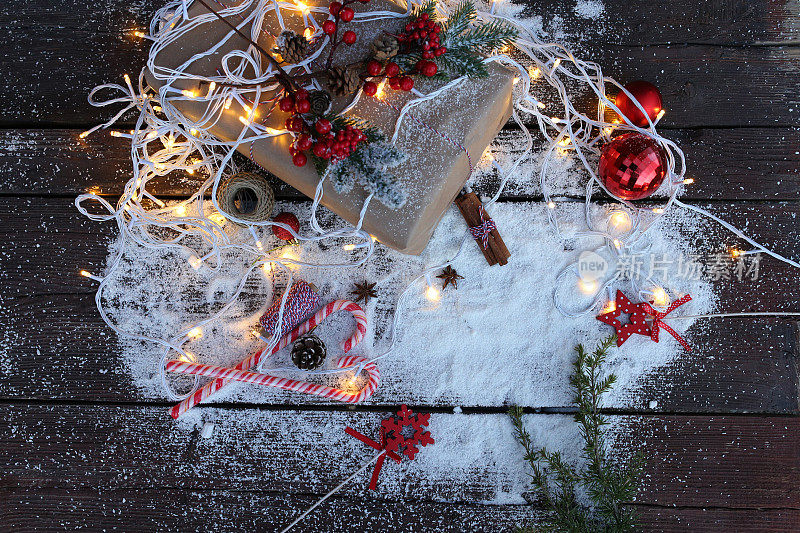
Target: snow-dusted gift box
443,137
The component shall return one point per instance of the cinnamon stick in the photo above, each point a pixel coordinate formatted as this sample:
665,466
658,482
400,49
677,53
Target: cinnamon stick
496,251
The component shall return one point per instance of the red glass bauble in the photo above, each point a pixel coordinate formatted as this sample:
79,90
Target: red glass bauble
647,94
632,166
290,220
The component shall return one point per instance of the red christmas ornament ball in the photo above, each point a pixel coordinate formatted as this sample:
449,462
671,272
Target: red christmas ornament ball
290,220
647,94
632,166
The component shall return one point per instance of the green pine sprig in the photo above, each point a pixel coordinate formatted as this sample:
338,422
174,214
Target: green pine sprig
428,7
608,485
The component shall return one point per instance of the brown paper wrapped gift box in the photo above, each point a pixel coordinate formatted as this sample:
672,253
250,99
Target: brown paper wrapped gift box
434,137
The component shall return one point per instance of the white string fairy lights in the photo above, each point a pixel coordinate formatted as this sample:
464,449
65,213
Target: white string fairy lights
164,140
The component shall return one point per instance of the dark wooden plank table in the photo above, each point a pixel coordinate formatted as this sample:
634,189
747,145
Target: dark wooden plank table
80,449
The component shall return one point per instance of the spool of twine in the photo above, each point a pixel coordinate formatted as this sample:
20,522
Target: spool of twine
246,196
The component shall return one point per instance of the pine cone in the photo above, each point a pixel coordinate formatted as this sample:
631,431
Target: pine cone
320,102
385,47
292,47
343,81
308,352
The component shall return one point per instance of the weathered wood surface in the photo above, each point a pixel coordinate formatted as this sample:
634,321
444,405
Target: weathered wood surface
719,462
729,74
757,376
221,511
727,164
705,85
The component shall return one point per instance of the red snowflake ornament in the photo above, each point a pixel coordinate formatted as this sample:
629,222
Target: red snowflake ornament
637,319
403,433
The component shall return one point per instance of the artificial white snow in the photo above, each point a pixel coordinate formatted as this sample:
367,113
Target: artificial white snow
589,9
496,340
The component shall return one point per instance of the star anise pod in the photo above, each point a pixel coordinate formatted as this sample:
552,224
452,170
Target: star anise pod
450,277
364,291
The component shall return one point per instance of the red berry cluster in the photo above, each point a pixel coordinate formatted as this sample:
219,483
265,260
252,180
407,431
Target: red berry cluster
340,11
423,33
397,80
319,137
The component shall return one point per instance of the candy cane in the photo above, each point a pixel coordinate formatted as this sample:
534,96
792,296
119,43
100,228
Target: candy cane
337,305
182,367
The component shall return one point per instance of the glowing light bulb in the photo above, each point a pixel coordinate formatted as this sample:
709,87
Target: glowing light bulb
115,133
688,181
540,105
565,141
619,222
195,262
187,357
84,135
140,34
736,253
587,286
180,210
228,103
535,73
189,94
217,218
349,247
610,307
617,244
516,80
260,245
211,87
189,170
551,204
308,33
244,120
381,89
556,63
660,115
660,297
85,274
658,210
195,333
193,132
126,78
432,293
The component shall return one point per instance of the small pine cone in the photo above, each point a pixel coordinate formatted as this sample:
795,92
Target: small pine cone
292,47
308,352
343,81
320,102
385,47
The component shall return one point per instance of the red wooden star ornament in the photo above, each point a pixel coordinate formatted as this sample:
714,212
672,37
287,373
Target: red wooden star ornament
637,319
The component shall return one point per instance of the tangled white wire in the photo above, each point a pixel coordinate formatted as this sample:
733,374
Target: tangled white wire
165,140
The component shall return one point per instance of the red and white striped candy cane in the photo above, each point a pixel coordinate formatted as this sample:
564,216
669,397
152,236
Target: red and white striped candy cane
337,305
220,372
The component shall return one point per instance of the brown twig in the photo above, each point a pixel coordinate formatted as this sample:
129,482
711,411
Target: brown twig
283,77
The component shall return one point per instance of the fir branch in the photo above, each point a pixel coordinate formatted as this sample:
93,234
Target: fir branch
482,39
608,485
460,63
459,21
428,7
